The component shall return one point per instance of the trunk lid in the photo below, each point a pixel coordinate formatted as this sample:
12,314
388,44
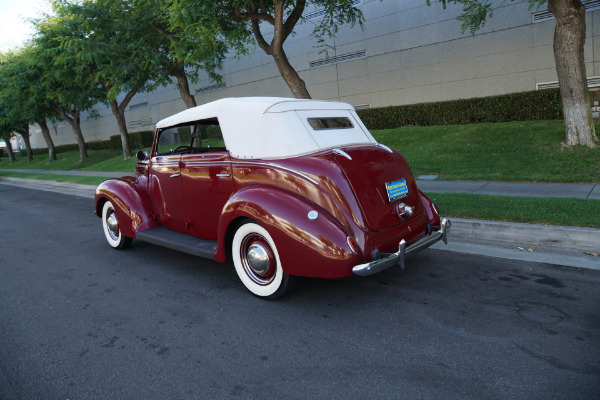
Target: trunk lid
381,180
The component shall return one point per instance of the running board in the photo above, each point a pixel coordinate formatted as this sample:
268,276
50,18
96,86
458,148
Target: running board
178,241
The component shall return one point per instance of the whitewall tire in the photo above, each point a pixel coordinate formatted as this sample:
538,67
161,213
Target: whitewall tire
257,263
112,232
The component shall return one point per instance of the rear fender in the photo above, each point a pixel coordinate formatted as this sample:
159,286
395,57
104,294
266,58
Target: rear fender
131,202
433,216
314,248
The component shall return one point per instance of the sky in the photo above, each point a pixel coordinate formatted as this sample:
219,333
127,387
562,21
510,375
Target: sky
14,30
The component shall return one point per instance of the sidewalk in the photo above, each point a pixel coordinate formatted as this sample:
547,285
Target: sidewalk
71,172
527,189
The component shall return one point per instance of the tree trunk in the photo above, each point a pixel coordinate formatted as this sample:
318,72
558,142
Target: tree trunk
26,138
282,29
184,87
289,74
46,133
119,113
569,38
73,120
79,136
9,150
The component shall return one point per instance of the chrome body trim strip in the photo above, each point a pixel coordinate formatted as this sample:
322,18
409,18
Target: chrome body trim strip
383,146
342,153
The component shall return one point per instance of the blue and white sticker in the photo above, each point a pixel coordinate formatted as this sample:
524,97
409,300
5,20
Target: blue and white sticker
396,189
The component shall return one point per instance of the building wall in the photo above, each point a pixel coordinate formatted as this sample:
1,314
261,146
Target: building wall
406,53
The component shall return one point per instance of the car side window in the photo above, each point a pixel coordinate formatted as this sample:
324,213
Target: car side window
168,140
206,135
197,137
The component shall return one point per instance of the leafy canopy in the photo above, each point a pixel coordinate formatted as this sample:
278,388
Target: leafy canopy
476,12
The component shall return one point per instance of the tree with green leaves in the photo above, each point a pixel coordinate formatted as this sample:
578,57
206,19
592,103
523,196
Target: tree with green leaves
268,23
65,80
5,136
14,114
22,91
177,53
103,36
6,133
569,39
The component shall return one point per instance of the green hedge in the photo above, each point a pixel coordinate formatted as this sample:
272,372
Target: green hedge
137,140
524,106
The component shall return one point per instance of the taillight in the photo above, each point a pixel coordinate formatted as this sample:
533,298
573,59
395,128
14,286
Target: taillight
352,244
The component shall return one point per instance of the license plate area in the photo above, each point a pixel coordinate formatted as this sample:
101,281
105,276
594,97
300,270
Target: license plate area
396,189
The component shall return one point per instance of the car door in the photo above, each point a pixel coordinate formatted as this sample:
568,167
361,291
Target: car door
165,190
207,185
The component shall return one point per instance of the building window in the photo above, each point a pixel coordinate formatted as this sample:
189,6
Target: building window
210,88
137,106
319,13
338,59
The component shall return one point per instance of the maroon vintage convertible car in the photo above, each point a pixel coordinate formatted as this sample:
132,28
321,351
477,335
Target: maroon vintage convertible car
282,187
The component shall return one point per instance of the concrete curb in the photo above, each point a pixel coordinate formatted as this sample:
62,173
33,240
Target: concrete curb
497,232
527,235
75,189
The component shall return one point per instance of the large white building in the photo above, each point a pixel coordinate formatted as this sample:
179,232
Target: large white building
406,53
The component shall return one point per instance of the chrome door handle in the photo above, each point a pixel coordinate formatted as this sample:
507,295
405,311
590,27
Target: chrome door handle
223,175
175,176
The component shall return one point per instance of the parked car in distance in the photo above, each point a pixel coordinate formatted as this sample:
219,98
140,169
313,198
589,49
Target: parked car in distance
281,187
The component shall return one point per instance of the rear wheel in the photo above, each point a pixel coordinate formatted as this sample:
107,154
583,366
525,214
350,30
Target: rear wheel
257,262
110,224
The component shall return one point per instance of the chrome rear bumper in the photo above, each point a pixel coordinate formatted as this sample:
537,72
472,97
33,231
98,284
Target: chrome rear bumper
389,260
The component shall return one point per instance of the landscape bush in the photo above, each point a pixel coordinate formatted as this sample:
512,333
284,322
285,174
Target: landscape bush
523,106
137,140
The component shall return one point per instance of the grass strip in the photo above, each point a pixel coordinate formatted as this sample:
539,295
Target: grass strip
98,160
520,151
526,151
84,180
537,210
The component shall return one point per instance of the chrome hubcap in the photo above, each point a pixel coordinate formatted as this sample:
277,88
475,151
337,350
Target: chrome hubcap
258,259
112,225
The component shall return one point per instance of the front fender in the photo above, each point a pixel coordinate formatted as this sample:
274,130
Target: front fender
317,248
131,201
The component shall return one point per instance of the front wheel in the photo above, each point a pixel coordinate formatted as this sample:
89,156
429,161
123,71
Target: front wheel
110,225
257,262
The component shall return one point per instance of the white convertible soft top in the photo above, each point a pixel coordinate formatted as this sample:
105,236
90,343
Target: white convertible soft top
275,127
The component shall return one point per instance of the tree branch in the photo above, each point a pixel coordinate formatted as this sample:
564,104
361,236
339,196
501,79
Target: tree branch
262,43
293,18
279,34
127,99
254,14
63,113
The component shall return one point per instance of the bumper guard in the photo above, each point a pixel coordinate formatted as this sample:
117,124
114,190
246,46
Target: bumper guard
389,260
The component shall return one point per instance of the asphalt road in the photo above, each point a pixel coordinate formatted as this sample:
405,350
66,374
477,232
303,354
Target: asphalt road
79,320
